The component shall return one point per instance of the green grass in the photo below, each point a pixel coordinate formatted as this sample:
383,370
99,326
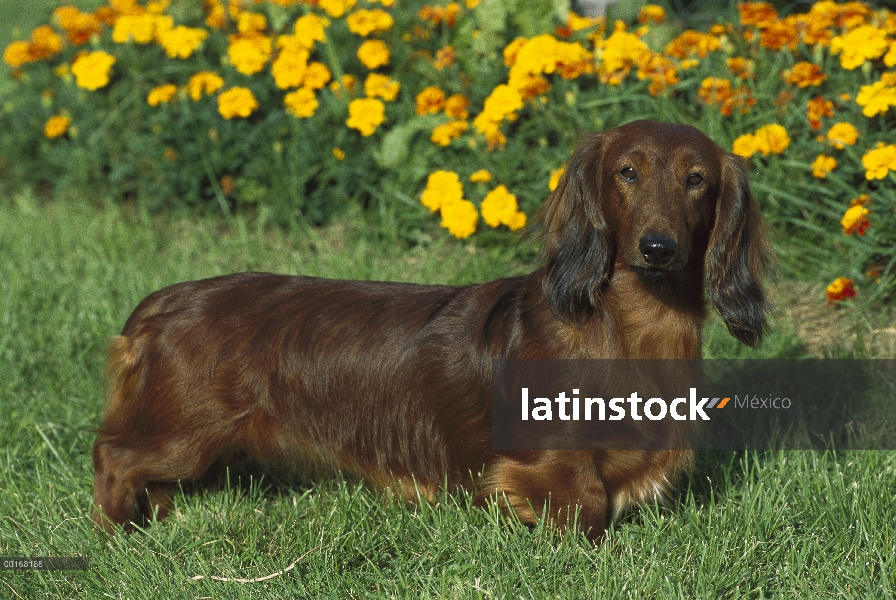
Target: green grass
767,525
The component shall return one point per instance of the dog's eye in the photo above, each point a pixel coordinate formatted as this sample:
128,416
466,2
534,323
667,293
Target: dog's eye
695,179
628,174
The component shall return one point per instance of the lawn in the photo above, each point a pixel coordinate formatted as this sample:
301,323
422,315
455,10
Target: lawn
773,524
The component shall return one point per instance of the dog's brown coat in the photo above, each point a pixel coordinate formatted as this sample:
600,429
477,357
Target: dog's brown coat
391,381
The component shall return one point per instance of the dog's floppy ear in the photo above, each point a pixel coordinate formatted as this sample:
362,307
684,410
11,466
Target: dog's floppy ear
576,243
738,256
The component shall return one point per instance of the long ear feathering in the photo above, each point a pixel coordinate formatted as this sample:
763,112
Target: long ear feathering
576,243
739,255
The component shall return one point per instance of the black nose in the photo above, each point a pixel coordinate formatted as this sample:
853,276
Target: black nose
657,250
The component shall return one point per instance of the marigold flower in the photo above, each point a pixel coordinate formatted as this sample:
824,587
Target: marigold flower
651,13
804,74
336,8
311,28
445,57
771,139
456,106
79,26
91,70
859,45
316,76
741,67
499,207
554,179
512,49
139,28
365,114
381,86
441,187
17,53
430,101
237,102
301,103
816,109
879,161
249,23
249,55
716,91
618,54
459,217
855,220
161,94
842,134
204,82
878,97
841,289
758,14
503,101
289,68
440,14
481,176
691,43
56,126
182,42
364,22
444,134
45,43
338,153
745,145
373,54
823,165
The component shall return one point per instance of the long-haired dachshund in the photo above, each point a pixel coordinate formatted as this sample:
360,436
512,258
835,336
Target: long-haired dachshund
391,382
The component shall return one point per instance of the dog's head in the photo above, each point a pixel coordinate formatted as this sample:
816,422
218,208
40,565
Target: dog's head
661,200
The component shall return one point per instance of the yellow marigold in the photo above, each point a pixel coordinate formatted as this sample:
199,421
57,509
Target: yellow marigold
445,57
430,101
771,139
879,161
841,289
365,114
818,108
441,187
471,4
481,176
364,22
804,74
512,49
338,153
499,207
161,94
503,101
204,82
554,179
289,68
440,14
373,54
823,165
855,220
249,55
619,53
651,13
301,103
745,145
459,217
381,86
316,76
347,83
311,28
859,45
56,126
444,134
336,8
876,98
139,28
91,70
249,23
237,102
18,53
182,42
842,134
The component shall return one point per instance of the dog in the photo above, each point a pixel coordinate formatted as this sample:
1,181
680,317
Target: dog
391,382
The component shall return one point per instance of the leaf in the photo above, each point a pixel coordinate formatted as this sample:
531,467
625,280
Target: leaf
396,144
